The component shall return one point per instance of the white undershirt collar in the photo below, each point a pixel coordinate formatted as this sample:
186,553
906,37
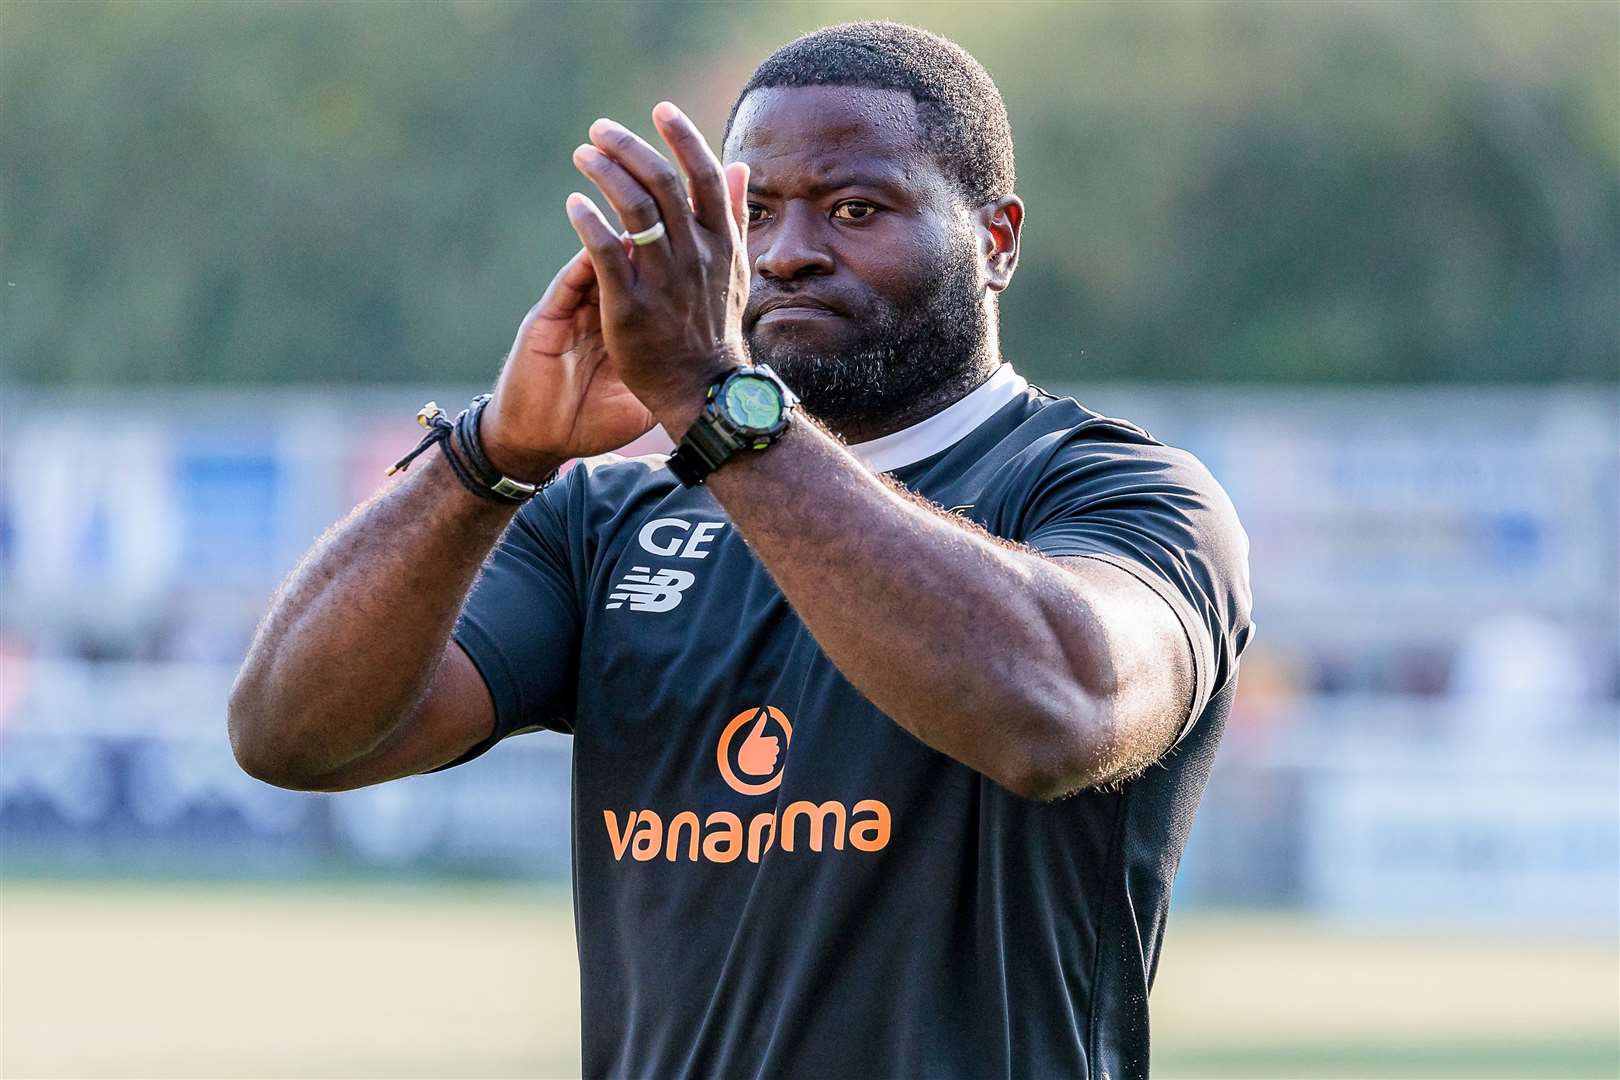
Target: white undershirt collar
945,428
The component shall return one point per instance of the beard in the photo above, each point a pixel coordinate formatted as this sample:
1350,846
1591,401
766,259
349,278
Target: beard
904,351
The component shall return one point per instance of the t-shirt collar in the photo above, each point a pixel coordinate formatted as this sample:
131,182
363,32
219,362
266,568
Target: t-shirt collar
945,428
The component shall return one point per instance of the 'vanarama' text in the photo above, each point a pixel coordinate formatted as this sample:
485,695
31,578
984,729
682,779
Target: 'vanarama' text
722,837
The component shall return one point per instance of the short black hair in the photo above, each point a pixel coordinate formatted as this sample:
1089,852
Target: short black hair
963,119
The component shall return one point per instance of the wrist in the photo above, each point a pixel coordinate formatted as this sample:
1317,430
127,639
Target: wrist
678,420
678,410
454,489
529,466
464,452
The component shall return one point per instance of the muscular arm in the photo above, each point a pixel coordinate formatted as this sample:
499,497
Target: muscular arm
352,678
1047,675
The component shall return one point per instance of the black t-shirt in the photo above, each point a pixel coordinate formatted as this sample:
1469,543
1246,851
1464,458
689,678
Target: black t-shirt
771,877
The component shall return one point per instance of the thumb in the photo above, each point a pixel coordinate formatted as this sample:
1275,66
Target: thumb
570,288
737,191
758,729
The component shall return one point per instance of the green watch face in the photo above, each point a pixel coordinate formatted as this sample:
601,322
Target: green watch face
753,401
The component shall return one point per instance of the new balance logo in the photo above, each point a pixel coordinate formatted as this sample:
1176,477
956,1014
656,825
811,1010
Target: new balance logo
647,591
672,538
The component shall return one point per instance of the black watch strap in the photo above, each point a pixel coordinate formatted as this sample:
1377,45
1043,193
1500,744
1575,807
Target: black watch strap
703,450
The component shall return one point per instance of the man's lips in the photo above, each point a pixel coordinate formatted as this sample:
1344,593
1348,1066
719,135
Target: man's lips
792,312
794,308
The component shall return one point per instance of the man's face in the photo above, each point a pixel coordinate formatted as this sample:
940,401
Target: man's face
868,287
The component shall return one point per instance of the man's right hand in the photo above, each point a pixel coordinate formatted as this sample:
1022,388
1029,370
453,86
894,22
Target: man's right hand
353,677
559,395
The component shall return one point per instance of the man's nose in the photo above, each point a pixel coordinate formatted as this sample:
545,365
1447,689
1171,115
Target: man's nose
792,248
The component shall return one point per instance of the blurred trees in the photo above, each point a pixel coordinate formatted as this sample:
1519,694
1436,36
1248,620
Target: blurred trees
373,192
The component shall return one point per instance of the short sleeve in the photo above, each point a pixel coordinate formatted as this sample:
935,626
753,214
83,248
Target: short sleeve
522,621
1157,513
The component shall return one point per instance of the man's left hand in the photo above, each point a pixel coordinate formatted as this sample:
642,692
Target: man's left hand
671,309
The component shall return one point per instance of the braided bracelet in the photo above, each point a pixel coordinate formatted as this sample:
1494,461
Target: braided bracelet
476,474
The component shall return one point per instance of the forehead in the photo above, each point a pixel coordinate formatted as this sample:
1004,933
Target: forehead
802,132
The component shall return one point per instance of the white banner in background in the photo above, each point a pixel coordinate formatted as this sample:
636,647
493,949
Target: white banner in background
1462,845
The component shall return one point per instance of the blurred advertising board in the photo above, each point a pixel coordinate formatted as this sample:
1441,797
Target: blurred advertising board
1427,721
1360,810
1375,515
1457,842
118,768
1408,514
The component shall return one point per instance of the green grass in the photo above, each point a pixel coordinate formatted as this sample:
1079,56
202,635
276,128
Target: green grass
1475,1058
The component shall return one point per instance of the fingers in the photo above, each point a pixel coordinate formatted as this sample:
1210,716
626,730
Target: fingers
636,209
656,176
702,168
571,288
602,243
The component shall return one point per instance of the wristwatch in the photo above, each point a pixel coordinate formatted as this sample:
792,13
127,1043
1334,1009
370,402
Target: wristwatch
747,408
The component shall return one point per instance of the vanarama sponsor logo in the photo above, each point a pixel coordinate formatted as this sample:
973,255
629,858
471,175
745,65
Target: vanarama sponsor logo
751,755
723,837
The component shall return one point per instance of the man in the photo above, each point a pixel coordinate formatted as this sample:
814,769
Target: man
891,712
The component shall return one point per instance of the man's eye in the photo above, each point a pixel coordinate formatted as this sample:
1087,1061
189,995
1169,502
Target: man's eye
756,213
854,210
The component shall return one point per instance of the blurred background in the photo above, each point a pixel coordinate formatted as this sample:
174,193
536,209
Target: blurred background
1363,259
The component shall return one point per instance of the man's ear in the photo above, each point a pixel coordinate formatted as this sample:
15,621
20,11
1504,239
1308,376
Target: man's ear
1000,223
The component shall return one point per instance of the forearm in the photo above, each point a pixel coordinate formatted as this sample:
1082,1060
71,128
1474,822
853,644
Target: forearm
967,642
354,635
